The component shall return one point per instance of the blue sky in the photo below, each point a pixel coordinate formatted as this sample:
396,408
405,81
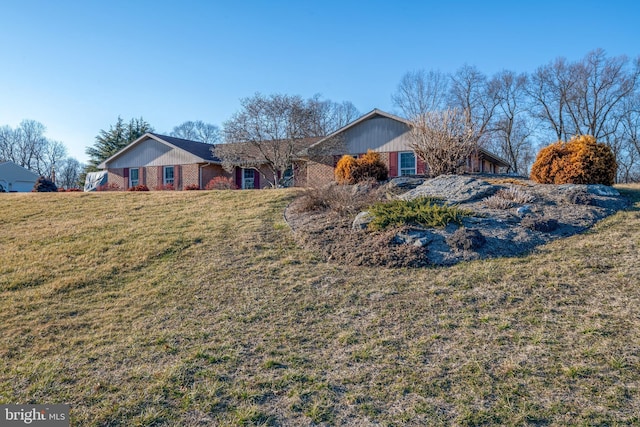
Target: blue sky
75,66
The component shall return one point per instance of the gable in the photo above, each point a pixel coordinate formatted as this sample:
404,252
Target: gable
150,152
376,130
378,133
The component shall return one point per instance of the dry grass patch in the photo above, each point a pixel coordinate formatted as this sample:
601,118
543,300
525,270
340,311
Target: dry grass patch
187,308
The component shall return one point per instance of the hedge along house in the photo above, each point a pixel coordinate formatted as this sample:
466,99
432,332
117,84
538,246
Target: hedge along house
385,134
162,162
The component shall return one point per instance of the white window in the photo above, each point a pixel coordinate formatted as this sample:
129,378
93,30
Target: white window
168,175
248,178
134,177
407,163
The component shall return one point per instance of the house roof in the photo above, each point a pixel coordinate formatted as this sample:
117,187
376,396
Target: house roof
498,161
7,166
196,148
199,149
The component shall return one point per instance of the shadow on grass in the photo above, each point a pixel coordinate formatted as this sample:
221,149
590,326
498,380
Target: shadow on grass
632,194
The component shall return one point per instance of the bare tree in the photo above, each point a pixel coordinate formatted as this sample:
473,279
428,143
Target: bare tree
268,131
27,146
31,145
551,89
197,131
474,95
602,85
8,144
68,173
330,116
444,140
629,163
511,130
420,92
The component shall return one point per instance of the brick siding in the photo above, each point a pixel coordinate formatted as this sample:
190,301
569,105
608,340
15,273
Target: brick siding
116,177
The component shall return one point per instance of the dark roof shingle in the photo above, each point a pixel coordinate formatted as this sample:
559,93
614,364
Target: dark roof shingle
196,148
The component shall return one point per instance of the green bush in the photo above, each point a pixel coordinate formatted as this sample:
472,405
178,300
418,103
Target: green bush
423,211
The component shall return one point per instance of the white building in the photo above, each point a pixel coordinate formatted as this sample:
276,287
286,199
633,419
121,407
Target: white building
14,178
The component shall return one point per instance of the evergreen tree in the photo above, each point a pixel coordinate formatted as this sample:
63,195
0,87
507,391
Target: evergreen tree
116,138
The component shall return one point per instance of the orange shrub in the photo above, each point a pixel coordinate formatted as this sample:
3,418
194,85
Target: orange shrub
369,166
582,160
549,163
344,170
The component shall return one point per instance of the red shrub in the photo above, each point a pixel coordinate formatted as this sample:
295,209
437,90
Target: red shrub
192,187
140,187
165,187
111,186
221,183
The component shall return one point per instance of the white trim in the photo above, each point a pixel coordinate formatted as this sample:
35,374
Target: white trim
415,162
131,184
246,180
164,175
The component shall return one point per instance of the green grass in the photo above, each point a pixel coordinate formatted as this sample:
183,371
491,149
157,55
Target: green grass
198,308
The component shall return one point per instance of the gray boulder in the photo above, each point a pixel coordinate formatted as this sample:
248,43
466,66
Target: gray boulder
453,188
362,221
403,183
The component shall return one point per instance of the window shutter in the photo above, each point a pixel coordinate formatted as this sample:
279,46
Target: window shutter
160,176
420,169
177,182
393,163
125,175
143,176
239,177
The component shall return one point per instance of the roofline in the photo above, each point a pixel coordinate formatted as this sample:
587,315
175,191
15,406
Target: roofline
3,162
155,137
370,114
494,157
